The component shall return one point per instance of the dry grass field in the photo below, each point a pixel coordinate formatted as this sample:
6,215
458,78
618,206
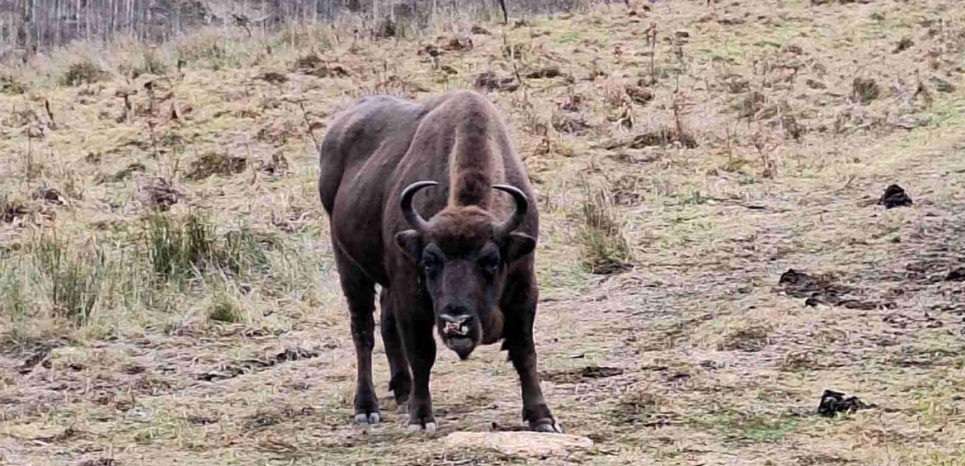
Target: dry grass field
168,294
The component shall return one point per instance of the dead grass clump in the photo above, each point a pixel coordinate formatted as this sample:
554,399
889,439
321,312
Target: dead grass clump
735,83
11,209
74,277
20,118
214,163
625,191
82,72
181,249
604,247
750,340
386,29
865,90
11,85
752,103
226,311
150,63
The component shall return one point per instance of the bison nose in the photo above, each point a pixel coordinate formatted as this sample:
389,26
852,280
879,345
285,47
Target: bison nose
455,318
456,324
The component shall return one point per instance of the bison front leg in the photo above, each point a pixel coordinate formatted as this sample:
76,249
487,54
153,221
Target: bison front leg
522,352
400,382
359,291
420,347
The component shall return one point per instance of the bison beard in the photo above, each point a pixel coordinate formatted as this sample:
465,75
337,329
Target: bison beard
466,273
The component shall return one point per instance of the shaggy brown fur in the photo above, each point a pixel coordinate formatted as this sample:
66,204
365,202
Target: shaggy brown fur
466,270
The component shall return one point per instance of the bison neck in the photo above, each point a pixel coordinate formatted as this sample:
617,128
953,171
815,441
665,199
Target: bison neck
474,162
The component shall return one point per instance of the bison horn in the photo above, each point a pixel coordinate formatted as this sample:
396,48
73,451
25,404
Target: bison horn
522,206
413,217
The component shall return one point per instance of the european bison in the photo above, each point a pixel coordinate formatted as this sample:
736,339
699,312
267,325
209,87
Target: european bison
464,269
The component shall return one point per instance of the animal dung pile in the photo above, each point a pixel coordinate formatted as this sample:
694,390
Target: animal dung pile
519,444
833,402
894,196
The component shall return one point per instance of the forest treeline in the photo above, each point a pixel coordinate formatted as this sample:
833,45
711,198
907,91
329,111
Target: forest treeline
30,25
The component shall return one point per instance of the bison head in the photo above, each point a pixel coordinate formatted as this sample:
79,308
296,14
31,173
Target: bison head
463,254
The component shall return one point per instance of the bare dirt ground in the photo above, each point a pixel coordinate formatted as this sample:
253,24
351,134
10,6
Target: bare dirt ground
713,258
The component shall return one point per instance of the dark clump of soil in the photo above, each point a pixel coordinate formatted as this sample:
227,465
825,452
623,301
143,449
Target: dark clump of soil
65,436
574,375
833,402
260,420
200,420
662,137
127,171
894,196
569,125
100,462
49,195
748,340
489,81
941,85
159,194
274,77
822,290
957,275
904,44
457,44
295,355
865,90
332,70
596,372
11,211
545,73
234,369
815,84
216,164
639,95
308,62
37,358
480,31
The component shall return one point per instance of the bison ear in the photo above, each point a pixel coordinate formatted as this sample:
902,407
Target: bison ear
518,245
411,243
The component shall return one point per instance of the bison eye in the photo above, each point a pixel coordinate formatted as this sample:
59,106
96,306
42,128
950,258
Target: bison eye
489,263
431,263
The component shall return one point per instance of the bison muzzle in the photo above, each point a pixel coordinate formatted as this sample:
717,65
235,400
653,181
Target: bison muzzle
431,202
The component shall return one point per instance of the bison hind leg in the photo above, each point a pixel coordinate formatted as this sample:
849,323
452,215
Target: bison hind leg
400,383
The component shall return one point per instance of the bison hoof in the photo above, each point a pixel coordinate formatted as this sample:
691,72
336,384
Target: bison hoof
368,419
430,427
549,426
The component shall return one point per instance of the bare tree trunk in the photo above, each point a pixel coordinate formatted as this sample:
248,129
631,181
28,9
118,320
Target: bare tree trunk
502,4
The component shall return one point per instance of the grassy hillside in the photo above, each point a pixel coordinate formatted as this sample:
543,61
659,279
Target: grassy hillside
167,290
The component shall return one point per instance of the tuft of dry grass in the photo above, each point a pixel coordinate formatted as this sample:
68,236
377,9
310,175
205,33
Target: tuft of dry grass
605,248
